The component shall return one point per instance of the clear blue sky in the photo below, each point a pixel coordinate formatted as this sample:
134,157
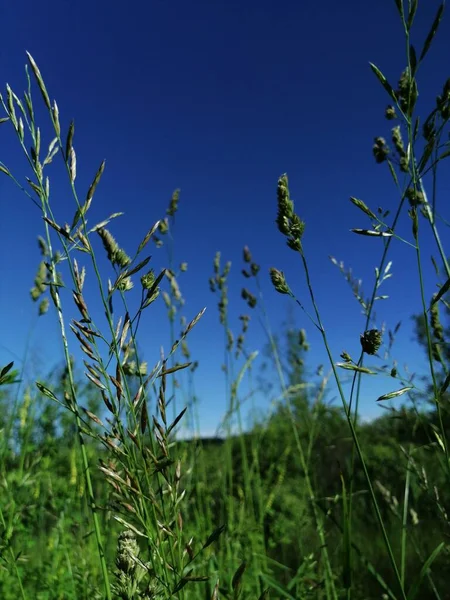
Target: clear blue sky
219,99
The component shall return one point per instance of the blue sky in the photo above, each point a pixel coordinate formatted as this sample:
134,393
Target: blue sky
218,99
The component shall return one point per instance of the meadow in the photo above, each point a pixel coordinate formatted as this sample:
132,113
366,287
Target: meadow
103,498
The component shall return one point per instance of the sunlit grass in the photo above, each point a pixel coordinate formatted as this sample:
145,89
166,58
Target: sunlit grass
100,499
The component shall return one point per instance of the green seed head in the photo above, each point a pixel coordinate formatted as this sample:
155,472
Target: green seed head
279,281
398,141
380,150
43,306
121,258
43,247
125,284
390,113
173,206
404,164
109,242
127,551
289,223
371,341
247,255
249,298
148,280
415,197
346,357
163,226
254,268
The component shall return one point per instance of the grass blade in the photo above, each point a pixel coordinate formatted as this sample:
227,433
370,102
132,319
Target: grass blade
384,82
432,31
423,571
442,291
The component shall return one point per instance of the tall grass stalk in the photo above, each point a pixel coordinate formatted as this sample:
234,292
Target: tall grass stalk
303,456
291,226
126,440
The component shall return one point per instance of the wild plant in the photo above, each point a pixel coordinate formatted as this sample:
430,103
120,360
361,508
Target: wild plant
179,518
408,166
145,479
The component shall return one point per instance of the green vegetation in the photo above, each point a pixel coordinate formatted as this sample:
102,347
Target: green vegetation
100,499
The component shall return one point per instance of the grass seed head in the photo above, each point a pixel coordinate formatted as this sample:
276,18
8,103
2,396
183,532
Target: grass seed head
414,196
397,140
127,551
43,306
148,280
254,268
289,224
390,113
173,206
116,255
371,341
279,281
380,150
247,255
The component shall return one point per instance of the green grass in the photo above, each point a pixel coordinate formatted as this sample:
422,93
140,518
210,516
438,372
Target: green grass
100,499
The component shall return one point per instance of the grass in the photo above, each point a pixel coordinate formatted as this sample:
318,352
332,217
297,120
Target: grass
311,502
